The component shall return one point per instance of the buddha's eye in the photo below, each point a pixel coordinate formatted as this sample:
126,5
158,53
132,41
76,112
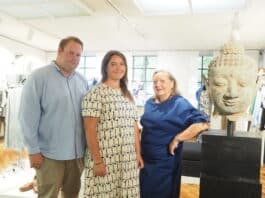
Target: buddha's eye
220,82
242,83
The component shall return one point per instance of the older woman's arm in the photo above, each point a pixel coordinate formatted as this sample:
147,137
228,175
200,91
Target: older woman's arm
189,133
90,125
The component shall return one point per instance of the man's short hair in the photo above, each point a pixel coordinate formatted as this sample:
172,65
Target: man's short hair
66,40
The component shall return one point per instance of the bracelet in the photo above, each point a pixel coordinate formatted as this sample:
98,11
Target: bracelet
98,163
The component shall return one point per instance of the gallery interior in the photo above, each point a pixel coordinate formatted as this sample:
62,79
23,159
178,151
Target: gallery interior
188,38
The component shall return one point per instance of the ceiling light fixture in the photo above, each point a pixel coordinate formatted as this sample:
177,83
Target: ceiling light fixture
125,18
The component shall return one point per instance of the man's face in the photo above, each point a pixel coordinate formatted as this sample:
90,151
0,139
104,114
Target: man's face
232,88
69,57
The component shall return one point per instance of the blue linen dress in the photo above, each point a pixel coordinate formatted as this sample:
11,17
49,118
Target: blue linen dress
160,177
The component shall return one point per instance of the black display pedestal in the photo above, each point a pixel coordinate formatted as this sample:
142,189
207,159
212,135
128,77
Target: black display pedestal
230,167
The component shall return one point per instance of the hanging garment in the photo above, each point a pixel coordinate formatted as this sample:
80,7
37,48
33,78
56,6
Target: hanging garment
13,137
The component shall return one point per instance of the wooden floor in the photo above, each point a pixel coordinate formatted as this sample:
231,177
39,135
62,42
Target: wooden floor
189,191
8,156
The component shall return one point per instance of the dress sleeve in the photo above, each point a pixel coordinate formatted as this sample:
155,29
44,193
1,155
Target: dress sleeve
92,103
191,115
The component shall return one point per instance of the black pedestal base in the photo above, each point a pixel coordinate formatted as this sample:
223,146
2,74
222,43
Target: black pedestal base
213,187
230,167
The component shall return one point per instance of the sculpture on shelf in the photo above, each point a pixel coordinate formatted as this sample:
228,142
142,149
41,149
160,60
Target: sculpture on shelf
232,81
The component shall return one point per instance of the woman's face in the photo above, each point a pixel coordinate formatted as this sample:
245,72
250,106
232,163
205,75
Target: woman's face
162,85
232,88
116,68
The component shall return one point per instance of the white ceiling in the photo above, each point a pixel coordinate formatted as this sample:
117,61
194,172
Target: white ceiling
120,24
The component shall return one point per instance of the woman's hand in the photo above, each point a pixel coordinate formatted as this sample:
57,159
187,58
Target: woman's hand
100,169
173,145
140,161
189,133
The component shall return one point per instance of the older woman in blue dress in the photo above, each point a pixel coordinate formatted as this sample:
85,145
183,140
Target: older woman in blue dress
168,120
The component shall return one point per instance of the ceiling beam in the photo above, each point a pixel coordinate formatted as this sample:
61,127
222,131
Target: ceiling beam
25,33
84,6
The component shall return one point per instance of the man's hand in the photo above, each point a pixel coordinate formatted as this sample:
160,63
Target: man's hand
36,160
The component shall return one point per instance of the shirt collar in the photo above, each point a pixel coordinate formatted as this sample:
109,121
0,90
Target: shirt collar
59,70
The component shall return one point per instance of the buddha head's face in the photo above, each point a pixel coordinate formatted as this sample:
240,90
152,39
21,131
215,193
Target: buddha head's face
232,81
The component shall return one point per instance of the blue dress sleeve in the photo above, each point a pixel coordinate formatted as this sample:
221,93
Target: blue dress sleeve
190,114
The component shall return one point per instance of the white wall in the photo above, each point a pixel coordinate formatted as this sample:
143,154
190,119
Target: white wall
17,48
183,66
254,54
50,56
17,61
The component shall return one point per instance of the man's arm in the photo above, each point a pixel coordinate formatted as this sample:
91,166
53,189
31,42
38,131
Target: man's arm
29,114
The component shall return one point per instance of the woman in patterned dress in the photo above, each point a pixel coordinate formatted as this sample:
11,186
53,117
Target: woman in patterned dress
110,121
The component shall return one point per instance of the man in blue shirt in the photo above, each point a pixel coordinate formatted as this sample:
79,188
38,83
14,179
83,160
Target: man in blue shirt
51,123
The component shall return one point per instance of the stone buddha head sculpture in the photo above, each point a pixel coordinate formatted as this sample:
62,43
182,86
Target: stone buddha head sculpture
232,80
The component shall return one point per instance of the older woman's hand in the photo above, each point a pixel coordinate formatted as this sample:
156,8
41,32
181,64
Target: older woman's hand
173,145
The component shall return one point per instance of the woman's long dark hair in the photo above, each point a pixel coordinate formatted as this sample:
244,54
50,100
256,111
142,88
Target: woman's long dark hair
124,81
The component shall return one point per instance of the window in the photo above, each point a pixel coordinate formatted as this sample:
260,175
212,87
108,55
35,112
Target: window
203,62
142,71
89,68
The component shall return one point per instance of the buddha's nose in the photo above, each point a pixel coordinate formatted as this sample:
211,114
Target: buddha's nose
232,90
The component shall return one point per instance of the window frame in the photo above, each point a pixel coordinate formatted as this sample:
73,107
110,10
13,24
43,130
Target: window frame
146,81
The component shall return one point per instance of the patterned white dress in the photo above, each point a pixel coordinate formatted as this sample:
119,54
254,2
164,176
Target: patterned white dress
115,132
